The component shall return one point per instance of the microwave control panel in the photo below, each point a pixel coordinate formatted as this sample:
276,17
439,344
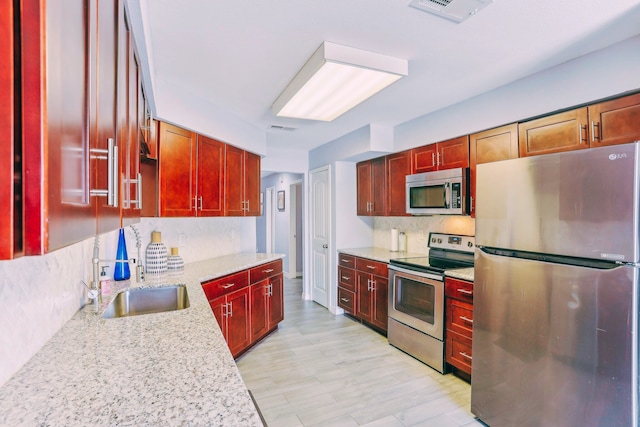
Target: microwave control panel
456,196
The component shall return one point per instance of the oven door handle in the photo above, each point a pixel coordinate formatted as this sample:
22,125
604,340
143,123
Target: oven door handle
432,276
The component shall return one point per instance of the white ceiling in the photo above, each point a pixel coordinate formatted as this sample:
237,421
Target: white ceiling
238,56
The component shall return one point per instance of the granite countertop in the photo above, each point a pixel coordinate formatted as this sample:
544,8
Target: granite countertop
379,254
169,369
461,273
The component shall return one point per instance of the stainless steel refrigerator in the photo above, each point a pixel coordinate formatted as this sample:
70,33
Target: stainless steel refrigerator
556,290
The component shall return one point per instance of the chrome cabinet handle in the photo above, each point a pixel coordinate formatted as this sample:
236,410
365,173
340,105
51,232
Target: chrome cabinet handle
433,159
344,299
200,202
372,267
228,286
195,203
230,309
112,173
595,135
465,355
269,270
440,162
466,319
465,291
582,131
344,260
346,278
138,182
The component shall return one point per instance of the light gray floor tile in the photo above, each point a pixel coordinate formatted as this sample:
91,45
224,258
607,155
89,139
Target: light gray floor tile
318,369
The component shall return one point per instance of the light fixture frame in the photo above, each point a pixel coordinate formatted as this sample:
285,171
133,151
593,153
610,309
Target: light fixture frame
333,53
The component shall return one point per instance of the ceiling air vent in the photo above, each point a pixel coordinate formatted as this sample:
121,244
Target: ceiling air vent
282,128
455,10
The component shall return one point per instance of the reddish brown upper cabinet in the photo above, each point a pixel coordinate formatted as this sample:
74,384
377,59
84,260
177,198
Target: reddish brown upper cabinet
555,133
10,132
70,82
615,122
398,167
242,182
491,146
371,187
190,173
450,154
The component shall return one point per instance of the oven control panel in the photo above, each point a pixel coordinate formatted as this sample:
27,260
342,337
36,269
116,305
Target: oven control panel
453,242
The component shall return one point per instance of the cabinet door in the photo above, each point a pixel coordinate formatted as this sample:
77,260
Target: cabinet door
259,295
252,184
276,300
210,177
378,187
552,134
615,122
56,149
238,337
10,165
363,176
234,184
453,153
102,123
424,159
176,172
364,299
491,146
380,302
398,167
218,306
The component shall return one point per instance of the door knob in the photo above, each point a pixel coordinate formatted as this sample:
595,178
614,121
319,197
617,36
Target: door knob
325,246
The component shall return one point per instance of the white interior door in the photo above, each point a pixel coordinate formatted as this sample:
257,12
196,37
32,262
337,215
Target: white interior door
320,232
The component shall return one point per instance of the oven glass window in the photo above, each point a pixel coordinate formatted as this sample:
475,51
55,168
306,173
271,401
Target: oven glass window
427,196
415,298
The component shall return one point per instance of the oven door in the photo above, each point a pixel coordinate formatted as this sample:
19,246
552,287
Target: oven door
417,300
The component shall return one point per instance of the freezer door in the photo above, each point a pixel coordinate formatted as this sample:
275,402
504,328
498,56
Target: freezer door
553,345
580,203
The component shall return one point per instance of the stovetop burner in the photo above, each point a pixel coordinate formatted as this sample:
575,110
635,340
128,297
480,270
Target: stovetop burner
446,252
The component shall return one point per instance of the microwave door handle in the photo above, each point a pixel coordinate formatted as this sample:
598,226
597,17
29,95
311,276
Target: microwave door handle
446,195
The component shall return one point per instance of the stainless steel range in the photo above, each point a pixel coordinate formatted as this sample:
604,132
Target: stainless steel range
416,297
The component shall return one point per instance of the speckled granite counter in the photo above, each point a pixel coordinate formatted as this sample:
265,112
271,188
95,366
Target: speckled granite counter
169,369
461,273
379,254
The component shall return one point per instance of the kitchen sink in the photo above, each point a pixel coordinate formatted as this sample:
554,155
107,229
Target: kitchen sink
134,302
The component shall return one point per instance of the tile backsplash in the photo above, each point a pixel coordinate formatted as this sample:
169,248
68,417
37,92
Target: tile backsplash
418,228
38,294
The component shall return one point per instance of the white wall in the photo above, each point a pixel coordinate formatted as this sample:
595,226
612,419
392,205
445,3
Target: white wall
38,294
604,73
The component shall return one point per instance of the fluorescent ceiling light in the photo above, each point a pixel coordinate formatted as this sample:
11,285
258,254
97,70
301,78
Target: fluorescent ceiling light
335,79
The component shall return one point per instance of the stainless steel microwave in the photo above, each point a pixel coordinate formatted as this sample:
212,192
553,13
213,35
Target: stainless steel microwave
442,192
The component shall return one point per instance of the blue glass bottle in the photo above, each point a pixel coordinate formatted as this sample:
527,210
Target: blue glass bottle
121,270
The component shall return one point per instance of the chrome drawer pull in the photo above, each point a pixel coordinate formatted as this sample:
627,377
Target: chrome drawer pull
344,300
346,278
344,260
269,270
464,291
372,267
228,286
466,319
465,355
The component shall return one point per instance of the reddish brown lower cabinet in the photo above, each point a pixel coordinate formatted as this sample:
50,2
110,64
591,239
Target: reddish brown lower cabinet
248,304
459,324
363,289
232,312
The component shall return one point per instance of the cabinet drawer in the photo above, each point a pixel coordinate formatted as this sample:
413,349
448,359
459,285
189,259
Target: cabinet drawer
263,271
346,260
458,352
224,285
372,267
347,300
459,317
459,289
347,278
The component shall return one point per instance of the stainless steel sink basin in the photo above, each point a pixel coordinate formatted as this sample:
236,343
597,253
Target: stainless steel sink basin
134,302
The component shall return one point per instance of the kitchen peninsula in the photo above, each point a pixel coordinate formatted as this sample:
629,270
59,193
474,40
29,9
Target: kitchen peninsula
168,369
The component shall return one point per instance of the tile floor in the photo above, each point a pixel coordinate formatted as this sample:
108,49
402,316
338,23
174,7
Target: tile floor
318,369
